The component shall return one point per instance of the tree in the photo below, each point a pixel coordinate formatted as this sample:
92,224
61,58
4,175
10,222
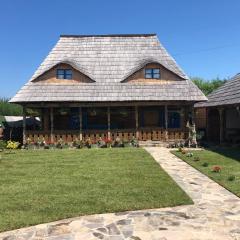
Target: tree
9,109
208,86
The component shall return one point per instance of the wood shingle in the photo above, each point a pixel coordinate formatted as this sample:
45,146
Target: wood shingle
108,60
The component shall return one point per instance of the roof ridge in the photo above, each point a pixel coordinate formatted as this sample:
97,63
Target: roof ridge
108,35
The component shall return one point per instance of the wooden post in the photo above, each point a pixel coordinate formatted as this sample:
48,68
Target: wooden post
166,122
52,125
109,122
194,133
46,120
24,125
220,110
207,124
137,123
80,124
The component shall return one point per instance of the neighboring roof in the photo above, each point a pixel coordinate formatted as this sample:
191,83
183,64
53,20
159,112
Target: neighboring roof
227,94
16,121
108,60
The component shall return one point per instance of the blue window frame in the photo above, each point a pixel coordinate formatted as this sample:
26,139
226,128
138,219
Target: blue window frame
64,74
152,73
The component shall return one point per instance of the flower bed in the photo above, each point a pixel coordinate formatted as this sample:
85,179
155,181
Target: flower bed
78,144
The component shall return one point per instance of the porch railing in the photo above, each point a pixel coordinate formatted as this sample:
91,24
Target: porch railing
123,134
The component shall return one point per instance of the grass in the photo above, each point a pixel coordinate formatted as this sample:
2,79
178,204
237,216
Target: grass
47,185
227,158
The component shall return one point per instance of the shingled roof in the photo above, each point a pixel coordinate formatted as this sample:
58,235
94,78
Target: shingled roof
108,60
227,94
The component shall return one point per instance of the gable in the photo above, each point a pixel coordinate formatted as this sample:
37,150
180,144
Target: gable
50,76
165,75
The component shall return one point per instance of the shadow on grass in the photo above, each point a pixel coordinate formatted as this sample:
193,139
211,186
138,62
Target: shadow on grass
230,152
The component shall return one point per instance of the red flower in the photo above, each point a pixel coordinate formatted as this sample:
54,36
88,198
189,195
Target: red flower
107,140
216,169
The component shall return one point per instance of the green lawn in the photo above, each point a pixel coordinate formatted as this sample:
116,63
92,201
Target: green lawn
46,185
227,158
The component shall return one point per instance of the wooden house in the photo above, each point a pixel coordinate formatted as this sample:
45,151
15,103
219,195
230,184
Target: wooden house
223,112
109,86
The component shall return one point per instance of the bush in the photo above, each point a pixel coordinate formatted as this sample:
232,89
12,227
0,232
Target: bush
134,142
196,159
205,164
189,154
3,144
88,143
231,178
184,151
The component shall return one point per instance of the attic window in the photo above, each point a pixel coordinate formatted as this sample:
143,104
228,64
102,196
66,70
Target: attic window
64,74
152,73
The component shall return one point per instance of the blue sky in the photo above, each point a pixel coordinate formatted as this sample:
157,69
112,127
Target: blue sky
203,36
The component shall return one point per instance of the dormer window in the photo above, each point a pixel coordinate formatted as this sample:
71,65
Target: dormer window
64,74
152,73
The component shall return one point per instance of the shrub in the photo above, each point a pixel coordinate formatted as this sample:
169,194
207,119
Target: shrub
88,143
179,149
77,143
189,154
216,169
134,142
184,151
3,144
118,142
196,159
205,164
59,143
231,178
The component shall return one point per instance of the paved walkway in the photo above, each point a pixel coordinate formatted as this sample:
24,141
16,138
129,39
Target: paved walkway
215,214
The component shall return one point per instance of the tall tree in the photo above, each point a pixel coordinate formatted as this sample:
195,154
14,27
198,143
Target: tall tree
9,109
208,86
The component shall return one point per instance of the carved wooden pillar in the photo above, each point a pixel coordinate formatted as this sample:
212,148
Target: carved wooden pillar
137,123
166,122
193,129
109,122
52,124
24,125
80,124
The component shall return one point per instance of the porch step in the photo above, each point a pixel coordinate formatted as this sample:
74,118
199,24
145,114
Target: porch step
152,144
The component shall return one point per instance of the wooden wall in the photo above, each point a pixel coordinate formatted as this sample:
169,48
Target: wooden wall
166,75
50,76
201,118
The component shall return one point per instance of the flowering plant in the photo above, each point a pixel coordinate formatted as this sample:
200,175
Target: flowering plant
88,143
216,169
108,142
12,145
189,154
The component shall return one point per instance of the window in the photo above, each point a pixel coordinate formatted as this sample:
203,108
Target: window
64,74
152,73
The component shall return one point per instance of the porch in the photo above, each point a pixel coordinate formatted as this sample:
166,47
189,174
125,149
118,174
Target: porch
142,122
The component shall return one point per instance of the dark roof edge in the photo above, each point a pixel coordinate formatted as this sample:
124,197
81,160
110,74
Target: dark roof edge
109,35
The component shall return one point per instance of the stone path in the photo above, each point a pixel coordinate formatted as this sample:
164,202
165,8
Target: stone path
215,214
